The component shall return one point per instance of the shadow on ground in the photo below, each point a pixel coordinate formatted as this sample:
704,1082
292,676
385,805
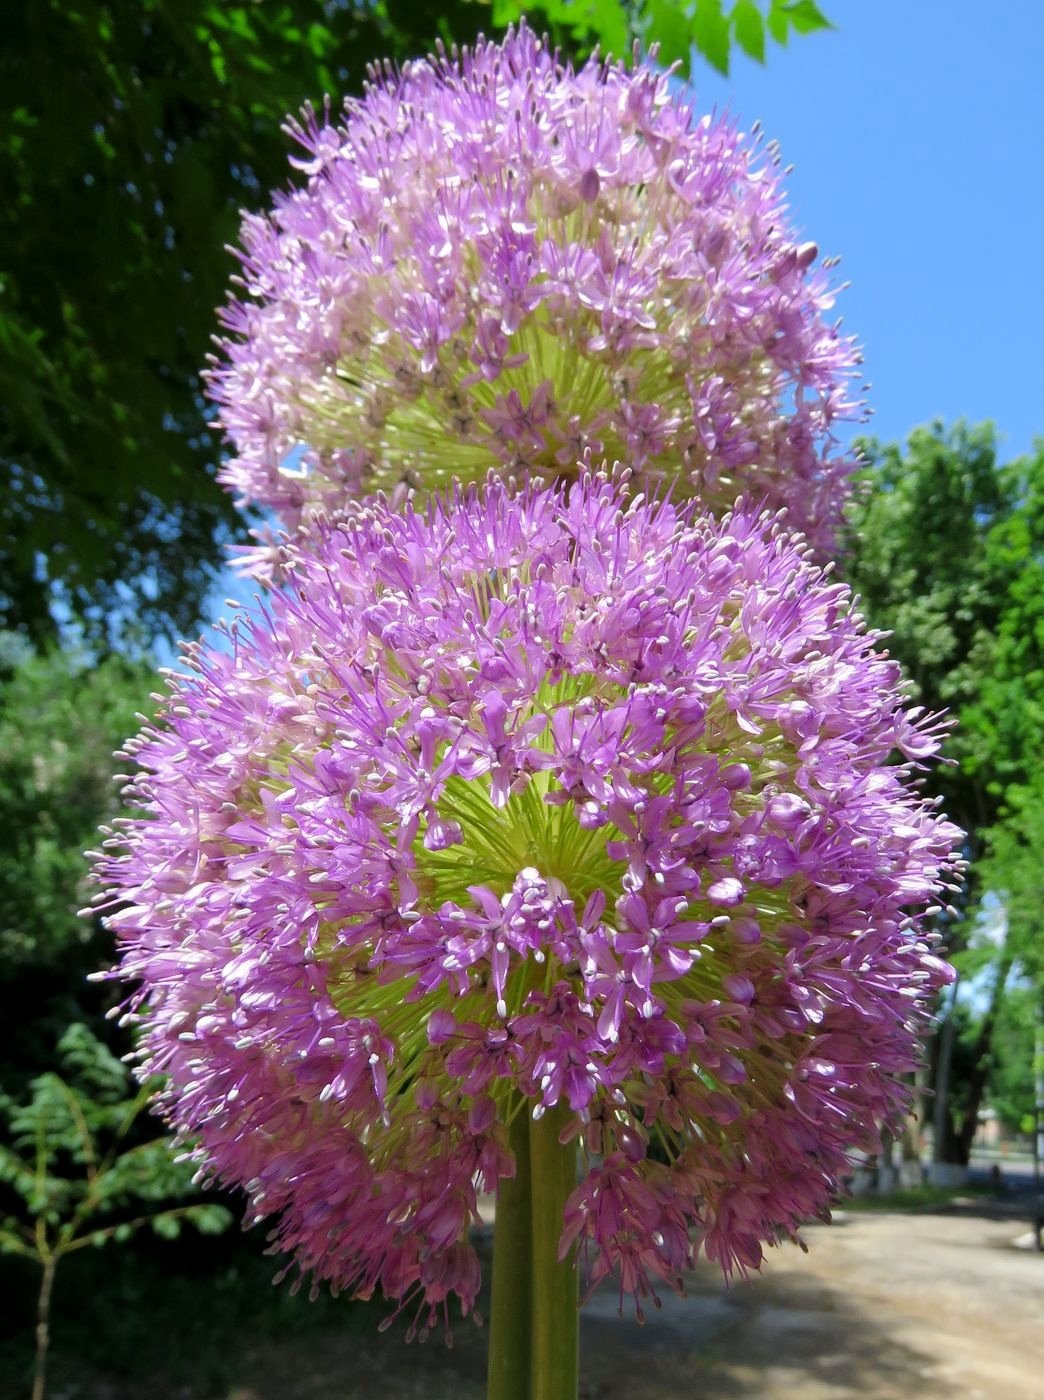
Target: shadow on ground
799,1337
885,1306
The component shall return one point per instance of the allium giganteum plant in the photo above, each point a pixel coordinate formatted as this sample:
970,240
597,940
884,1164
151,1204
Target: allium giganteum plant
542,837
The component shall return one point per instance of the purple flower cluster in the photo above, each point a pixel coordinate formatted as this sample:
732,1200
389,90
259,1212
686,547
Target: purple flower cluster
566,797
499,261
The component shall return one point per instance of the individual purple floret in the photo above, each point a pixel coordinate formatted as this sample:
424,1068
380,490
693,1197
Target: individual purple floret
496,260
566,797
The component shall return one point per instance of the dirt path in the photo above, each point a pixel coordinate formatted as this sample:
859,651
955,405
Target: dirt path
883,1307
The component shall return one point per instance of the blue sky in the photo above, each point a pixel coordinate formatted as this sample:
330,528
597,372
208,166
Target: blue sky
917,134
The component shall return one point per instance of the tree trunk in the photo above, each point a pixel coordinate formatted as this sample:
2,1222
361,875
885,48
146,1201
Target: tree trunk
963,1139
43,1334
942,1118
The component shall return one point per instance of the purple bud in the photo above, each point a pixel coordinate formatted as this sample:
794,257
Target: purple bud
736,777
738,988
589,185
726,891
441,1026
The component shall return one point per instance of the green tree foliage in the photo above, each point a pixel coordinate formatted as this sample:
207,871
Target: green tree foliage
60,721
710,28
74,1175
1003,1042
80,1163
134,131
81,1173
1011,1081
1006,722
1013,869
947,549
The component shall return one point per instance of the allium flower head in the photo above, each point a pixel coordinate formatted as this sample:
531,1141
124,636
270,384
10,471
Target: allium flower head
496,260
560,798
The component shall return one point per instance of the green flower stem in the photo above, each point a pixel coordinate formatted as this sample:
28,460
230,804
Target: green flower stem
534,1343
555,1354
509,1330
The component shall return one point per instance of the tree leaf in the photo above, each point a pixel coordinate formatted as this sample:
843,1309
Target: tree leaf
11,1244
806,17
168,1227
777,22
209,1219
710,32
749,28
612,26
506,12
668,27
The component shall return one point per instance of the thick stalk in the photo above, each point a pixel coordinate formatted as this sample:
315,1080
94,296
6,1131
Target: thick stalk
555,1313
509,1323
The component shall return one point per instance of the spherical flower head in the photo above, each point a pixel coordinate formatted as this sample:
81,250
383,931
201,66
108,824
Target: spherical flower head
560,798
496,260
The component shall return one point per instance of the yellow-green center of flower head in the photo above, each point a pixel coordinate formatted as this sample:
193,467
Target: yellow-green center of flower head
486,830
498,843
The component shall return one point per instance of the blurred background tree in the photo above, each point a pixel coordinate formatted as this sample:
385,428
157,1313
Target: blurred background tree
710,29
123,174
83,1174
61,718
947,550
